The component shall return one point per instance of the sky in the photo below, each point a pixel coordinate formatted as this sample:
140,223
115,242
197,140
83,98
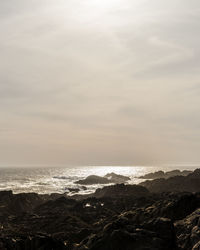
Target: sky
99,82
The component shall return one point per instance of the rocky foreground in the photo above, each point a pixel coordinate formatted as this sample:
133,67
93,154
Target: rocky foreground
159,214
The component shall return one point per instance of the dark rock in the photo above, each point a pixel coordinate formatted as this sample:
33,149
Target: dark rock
188,232
116,178
123,234
121,190
35,242
190,183
73,190
161,174
93,179
60,177
108,178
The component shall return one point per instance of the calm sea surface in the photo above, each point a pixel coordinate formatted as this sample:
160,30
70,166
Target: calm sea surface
47,180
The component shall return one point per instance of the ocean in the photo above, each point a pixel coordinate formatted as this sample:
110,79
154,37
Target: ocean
46,180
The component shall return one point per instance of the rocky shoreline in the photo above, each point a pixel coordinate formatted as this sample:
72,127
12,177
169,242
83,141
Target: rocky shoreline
158,214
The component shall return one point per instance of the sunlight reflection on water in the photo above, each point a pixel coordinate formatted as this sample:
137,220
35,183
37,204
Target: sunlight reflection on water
42,180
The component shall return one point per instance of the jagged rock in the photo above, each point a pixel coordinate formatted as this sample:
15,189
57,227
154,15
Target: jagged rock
162,174
190,183
188,231
124,234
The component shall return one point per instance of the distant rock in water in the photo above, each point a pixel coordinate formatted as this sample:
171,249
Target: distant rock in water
189,183
161,174
108,178
60,177
93,179
117,178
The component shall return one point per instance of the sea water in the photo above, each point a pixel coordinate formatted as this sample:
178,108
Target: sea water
46,180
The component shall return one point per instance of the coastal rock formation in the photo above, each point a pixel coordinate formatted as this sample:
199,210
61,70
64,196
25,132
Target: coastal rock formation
188,231
121,190
93,179
117,178
162,174
190,183
125,234
108,178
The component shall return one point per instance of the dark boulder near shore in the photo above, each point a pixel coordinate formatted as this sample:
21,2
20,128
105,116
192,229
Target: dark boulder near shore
160,214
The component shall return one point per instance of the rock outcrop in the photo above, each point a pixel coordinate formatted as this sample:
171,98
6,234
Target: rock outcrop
108,178
121,190
189,183
162,174
117,178
93,179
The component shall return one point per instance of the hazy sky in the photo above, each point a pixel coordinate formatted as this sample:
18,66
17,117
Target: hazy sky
99,82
